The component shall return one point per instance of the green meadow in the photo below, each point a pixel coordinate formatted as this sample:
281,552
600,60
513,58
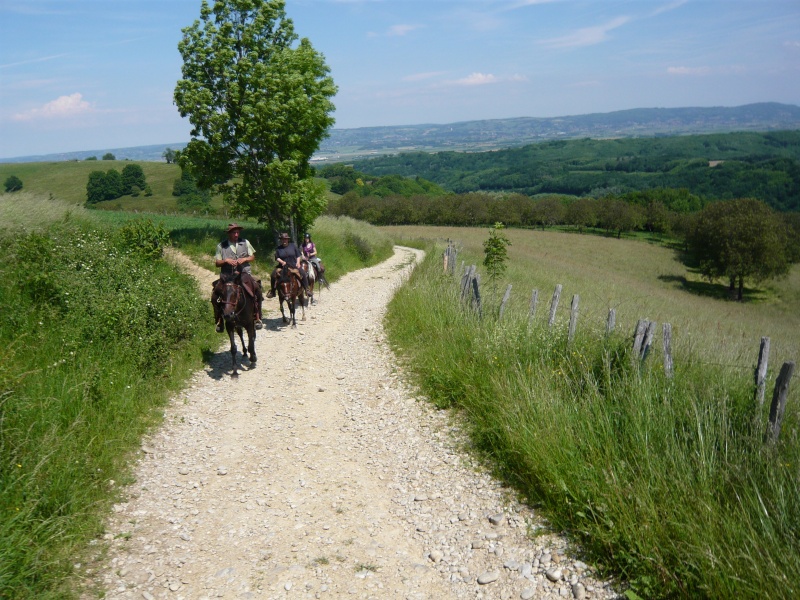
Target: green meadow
664,483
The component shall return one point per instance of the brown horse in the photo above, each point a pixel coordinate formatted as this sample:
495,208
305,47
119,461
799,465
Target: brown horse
290,290
238,311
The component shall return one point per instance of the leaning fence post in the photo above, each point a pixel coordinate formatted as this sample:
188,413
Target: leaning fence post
648,339
638,337
466,280
667,328
554,305
506,296
611,321
761,371
573,317
779,402
532,306
476,280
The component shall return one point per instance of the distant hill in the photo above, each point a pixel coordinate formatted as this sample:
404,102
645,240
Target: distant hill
349,144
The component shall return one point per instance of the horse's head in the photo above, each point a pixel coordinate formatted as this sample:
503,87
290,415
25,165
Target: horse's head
231,296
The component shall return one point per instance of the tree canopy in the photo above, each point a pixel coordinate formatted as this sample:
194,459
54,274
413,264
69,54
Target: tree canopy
13,183
259,103
741,239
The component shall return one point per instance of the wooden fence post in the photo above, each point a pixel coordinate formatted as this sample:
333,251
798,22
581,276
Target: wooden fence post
779,402
667,328
648,339
554,305
638,337
573,317
476,293
506,296
466,281
760,373
611,321
532,306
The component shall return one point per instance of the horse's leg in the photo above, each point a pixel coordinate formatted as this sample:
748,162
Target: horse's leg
285,320
303,300
232,336
241,337
251,343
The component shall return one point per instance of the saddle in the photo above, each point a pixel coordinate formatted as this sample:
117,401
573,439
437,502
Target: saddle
245,280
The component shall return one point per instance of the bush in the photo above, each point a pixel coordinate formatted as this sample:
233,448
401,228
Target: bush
13,183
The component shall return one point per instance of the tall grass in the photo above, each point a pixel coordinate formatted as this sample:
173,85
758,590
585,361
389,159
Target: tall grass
663,482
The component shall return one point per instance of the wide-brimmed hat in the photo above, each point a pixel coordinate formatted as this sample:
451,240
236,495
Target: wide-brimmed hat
284,236
233,226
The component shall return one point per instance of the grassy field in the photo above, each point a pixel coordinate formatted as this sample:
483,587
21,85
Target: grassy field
639,280
66,180
664,483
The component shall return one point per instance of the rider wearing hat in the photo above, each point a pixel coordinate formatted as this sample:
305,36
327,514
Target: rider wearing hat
235,255
287,254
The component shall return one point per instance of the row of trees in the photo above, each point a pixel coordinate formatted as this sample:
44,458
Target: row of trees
614,214
112,184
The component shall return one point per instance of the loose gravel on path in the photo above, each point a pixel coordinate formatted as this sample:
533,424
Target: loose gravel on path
321,474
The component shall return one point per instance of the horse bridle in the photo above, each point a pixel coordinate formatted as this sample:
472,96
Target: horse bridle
238,289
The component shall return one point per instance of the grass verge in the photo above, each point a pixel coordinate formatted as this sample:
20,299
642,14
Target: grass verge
665,483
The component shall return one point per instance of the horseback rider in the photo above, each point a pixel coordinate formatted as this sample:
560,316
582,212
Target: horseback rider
235,254
287,253
310,253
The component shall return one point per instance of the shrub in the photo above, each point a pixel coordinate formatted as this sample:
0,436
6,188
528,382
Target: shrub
13,183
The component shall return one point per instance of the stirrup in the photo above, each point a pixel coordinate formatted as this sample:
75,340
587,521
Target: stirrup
219,328
271,294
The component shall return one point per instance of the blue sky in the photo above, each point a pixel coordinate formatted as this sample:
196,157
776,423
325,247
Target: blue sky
93,74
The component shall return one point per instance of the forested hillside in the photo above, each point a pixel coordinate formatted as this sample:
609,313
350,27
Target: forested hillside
718,166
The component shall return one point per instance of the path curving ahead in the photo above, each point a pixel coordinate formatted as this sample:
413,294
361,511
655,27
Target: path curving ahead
319,474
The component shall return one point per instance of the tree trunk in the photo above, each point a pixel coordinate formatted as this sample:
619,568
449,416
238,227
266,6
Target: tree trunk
732,288
741,288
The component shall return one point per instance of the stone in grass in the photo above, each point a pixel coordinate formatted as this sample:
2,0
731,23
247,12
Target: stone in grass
488,577
578,591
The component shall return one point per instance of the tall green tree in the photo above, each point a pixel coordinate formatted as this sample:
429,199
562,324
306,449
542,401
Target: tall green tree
259,102
132,175
741,239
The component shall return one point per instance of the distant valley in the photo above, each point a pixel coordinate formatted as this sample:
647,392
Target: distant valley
475,136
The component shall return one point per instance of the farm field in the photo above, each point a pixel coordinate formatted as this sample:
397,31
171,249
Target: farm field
639,280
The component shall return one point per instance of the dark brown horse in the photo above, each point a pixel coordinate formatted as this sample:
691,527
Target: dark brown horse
290,291
238,311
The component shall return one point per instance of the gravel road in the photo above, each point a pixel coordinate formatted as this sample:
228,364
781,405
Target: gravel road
322,474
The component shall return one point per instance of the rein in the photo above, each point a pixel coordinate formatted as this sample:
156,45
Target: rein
238,290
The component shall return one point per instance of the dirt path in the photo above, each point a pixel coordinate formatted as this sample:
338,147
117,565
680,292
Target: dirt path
318,474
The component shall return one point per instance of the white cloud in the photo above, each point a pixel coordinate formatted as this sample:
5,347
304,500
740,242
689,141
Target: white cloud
477,79
688,70
398,30
792,44
587,36
61,107
486,79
